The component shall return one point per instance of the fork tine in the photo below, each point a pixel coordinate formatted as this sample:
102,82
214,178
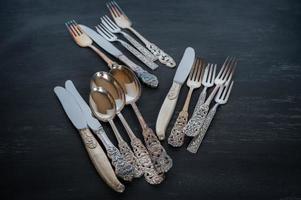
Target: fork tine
195,69
192,70
70,30
118,8
228,68
101,31
219,93
213,74
115,8
205,75
77,27
197,78
229,88
107,21
113,24
111,10
209,77
71,25
219,75
230,75
106,31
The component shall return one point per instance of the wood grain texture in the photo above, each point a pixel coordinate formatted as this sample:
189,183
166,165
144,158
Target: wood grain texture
252,149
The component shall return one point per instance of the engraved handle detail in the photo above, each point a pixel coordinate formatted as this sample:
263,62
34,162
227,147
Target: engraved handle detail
139,55
146,77
141,48
196,122
176,137
197,140
164,58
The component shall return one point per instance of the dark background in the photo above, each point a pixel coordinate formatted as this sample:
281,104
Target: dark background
252,150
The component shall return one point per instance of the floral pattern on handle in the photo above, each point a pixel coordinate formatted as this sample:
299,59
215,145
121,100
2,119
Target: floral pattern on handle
176,137
197,140
164,58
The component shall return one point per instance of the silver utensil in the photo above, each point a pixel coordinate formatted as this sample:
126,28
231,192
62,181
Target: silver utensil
124,22
150,174
104,32
122,168
221,98
95,152
146,77
176,137
170,101
224,76
109,24
132,88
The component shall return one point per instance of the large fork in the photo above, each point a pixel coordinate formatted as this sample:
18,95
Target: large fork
111,37
220,99
111,26
224,76
176,137
124,22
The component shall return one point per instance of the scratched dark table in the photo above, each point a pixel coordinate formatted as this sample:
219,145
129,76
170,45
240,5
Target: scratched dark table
251,151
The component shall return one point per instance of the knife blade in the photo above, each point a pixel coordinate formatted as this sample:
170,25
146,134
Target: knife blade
146,77
171,99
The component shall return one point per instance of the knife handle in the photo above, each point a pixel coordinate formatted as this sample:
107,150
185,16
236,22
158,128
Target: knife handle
167,109
100,160
146,77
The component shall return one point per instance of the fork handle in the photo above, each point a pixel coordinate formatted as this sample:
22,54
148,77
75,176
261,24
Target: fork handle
176,137
139,55
140,47
202,98
197,140
102,55
146,77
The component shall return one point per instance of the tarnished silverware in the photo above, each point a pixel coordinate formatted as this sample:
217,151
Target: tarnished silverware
176,137
224,76
111,37
124,22
150,174
109,24
105,81
95,151
221,98
132,88
118,160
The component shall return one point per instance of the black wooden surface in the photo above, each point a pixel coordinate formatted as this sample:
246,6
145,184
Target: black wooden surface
252,150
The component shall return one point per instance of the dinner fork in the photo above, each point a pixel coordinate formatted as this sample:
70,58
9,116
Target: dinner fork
220,99
124,22
111,26
176,137
111,37
224,76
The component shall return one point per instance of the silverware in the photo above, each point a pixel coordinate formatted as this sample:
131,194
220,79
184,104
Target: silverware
170,101
150,174
109,24
104,32
122,169
224,76
124,22
176,137
95,152
104,108
220,99
80,34
132,88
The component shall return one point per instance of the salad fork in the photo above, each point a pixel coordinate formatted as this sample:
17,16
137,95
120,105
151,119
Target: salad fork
176,137
224,76
124,22
111,26
104,32
220,99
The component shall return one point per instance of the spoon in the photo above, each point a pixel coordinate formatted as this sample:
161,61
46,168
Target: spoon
150,174
132,89
105,81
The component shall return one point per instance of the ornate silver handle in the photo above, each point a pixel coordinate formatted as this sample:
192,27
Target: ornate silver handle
197,140
196,122
164,58
139,55
176,137
140,47
146,77
150,174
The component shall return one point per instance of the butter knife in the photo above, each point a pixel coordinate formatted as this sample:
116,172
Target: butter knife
95,152
170,101
146,77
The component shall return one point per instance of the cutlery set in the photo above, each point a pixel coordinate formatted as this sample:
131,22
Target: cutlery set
111,91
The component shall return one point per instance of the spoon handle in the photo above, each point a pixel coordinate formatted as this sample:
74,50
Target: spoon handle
160,158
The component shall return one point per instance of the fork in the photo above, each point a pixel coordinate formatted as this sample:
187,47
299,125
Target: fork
111,26
176,137
224,76
104,32
124,22
220,99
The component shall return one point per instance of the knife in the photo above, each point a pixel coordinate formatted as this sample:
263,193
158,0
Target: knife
146,77
95,152
123,169
170,101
